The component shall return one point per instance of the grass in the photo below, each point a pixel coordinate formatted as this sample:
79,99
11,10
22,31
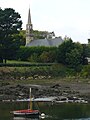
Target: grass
7,74
19,62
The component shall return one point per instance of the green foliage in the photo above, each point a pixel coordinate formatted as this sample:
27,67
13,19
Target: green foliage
39,34
33,58
85,73
22,34
34,54
41,71
64,48
88,50
10,25
24,64
44,57
71,54
72,58
48,57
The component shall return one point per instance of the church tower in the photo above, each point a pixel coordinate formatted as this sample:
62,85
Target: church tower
29,29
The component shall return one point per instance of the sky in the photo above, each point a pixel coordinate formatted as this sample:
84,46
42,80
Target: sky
69,18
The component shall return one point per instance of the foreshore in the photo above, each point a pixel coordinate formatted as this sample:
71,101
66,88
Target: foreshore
66,89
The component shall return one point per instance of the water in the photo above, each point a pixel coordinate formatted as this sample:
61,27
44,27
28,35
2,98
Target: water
64,111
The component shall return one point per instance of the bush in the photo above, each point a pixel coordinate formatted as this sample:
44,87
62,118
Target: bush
30,53
40,71
85,71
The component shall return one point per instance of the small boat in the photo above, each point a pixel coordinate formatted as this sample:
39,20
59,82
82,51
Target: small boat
28,113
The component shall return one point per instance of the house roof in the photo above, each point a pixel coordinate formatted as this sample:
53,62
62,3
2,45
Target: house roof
46,42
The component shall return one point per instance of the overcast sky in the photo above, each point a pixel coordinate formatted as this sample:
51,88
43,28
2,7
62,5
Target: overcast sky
64,17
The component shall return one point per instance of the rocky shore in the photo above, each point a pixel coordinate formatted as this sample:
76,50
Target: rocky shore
65,89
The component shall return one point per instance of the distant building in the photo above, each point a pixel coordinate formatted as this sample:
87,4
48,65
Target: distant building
50,39
89,41
88,60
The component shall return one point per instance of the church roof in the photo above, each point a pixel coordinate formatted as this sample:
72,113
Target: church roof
46,42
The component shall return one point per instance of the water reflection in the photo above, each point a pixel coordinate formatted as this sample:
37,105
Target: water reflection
47,118
62,111
79,119
21,118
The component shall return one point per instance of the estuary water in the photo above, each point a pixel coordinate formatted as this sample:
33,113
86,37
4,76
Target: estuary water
61,111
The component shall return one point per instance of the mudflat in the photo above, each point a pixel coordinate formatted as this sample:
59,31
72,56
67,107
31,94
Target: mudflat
55,89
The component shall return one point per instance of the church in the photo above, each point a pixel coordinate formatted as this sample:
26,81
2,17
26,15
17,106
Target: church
49,41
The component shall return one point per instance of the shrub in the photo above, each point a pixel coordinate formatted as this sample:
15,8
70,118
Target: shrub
85,71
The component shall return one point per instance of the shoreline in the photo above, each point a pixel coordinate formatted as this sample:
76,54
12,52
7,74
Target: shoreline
66,89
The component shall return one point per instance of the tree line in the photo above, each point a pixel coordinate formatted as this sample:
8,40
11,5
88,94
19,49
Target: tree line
12,41
68,53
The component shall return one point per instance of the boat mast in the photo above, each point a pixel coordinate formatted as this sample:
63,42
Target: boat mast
30,100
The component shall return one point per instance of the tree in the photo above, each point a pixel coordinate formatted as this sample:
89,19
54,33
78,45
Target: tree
10,25
64,48
85,54
88,50
70,54
48,57
22,35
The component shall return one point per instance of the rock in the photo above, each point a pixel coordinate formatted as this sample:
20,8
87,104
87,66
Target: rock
55,86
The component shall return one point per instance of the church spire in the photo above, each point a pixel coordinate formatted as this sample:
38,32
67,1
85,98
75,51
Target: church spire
29,17
29,29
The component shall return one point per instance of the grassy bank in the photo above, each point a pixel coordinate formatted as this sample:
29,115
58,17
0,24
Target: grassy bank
55,73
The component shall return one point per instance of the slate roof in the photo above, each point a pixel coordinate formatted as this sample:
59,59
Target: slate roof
46,42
